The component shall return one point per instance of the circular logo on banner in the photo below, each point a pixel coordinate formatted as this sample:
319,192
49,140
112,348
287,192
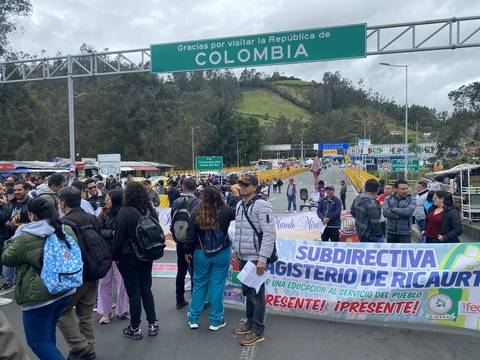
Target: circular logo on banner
440,304
387,166
347,224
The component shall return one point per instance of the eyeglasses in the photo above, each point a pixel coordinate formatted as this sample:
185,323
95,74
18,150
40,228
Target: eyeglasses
242,184
92,187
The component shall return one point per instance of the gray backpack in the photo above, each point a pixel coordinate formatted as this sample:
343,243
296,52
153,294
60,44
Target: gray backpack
181,218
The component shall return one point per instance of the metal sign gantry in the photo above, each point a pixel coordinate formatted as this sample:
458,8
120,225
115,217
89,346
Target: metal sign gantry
447,34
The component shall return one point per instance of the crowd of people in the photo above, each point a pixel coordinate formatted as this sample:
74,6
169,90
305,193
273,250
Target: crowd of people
387,213
103,221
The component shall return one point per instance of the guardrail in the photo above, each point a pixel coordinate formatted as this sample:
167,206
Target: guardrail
358,177
283,173
230,170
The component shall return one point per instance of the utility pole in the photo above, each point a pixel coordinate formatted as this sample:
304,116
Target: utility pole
71,114
193,150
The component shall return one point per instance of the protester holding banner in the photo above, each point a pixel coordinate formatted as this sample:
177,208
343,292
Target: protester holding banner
255,236
398,210
444,224
329,211
208,241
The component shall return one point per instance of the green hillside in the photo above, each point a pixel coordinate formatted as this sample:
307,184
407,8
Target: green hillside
264,102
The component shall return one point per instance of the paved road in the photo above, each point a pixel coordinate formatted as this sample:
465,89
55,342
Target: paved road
331,176
287,337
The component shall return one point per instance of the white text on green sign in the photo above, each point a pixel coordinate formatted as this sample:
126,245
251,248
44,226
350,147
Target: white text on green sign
318,44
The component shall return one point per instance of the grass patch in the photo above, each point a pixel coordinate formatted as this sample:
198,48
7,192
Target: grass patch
263,102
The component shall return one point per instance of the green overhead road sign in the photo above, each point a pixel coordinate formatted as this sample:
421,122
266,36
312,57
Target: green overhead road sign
339,42
209,163
399,165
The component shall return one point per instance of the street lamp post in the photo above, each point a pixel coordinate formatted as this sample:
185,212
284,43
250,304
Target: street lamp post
238,154
406,112
193,147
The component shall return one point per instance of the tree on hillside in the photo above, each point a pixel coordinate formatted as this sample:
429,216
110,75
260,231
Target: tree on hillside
9,9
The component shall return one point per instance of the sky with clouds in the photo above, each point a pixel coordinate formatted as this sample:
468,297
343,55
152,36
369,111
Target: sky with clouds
63,26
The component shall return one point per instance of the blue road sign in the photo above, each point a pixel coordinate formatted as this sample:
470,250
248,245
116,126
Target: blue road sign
333,147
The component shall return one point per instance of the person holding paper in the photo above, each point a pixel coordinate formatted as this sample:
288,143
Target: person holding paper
207,239
255,236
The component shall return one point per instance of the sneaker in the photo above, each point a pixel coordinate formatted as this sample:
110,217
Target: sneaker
287,211
252,339
242,329
181,305
5,301
105,319
217,327
153,329
193,326
135,334
124,316
7,286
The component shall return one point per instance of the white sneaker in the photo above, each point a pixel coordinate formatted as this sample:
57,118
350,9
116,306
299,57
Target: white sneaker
287,211
217,327
105,319
5,301
193,326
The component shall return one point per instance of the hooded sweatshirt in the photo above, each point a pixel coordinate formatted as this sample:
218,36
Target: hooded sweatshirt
44,190
25,252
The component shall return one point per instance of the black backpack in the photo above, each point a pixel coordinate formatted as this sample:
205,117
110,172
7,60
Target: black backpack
149,243
96,251
181,218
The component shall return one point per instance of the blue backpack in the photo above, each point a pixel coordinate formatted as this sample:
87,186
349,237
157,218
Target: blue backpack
62,264
214,241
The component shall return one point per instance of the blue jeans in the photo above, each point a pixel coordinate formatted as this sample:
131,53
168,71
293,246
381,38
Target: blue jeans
292,201
255,306
9,273
421,225
210,271
40,325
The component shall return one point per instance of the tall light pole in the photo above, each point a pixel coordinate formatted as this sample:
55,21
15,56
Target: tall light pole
406,113
193,147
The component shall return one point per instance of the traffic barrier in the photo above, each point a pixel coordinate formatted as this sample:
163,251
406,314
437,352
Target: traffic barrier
164,202
228,170
358,177
283,173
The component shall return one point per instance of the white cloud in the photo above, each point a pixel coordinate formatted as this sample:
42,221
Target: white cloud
120,25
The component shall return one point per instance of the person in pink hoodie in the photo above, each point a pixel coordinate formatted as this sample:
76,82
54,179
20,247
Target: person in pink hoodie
316,169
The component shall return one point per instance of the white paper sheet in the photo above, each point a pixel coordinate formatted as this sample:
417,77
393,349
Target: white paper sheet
249,276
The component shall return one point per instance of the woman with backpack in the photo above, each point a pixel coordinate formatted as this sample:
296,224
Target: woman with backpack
25,251
136,273
113,203
208,240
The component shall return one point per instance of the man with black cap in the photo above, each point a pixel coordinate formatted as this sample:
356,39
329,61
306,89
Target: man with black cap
329,210
255,236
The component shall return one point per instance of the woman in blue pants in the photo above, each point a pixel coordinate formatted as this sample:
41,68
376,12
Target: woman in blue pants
208,240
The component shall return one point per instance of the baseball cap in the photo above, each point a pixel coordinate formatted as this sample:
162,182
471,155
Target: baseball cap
249,179
329,187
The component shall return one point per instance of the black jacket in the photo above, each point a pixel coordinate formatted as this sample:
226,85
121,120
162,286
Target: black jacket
451,227
227,214
125,224
79,217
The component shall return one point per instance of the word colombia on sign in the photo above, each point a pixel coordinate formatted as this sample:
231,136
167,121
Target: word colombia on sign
340,42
